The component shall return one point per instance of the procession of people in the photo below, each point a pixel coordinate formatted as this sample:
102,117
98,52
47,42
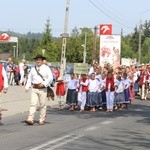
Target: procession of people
102,88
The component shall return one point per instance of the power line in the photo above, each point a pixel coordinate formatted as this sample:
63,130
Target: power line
108,15
127,19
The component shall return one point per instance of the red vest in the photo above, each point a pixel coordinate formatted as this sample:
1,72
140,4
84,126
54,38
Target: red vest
84,88
1,78
111,82
60,89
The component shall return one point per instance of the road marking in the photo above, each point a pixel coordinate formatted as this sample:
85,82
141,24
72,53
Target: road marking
91,128
65,142
138,109
51,142
107,122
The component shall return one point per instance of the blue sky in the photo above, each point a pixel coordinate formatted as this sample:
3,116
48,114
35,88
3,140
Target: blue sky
30,15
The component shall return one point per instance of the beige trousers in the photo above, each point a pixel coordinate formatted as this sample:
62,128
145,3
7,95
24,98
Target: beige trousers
38,96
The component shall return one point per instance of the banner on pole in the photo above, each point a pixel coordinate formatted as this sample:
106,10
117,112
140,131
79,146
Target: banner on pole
80,68
110,49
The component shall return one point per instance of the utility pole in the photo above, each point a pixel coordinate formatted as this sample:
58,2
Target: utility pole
84,52
139,50
64,40
94,44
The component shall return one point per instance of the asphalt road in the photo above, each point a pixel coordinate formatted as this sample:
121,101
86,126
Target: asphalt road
65,130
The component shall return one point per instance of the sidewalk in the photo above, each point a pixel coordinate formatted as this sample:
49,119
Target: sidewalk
16,101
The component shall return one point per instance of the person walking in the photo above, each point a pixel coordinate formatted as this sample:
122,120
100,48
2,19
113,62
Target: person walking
39,78
21,69
3,84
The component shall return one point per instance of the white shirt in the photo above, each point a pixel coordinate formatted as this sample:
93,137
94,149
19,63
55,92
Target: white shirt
34,78
120,86
72,84
93,85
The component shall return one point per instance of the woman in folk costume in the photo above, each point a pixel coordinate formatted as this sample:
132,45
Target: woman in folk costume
119,92
92,96
60,92
126,82
82,92
131,87
72,93
110,88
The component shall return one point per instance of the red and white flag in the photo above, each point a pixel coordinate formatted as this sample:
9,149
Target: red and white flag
105,29
4,37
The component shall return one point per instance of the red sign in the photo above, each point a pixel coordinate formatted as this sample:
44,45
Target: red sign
105,29
4,37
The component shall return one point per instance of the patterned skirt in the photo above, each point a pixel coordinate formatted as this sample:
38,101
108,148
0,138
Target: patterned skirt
71,97
119,98
92,99
127,96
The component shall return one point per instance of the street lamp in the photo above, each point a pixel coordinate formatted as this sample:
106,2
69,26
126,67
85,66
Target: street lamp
14,51
84,46
43,51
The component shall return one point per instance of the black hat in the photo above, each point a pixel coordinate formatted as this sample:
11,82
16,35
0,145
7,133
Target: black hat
40,56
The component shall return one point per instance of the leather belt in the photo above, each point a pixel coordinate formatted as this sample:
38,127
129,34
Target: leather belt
36,86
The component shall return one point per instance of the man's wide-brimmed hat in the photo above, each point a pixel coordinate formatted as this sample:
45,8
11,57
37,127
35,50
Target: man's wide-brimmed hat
40,56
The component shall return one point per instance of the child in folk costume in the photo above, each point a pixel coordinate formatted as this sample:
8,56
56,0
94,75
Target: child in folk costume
92,96
103,92
126,82
110,88
131,87
119,92
82,92
72,93
143,84
60,92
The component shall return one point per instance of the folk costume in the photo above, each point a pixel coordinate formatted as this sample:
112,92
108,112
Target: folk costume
110,89
71,98
3,84
119,93
92,98
127,83
82,93
60,92
39,78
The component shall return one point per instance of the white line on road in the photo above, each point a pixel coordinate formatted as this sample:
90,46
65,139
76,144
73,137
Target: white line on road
91,128
107,122
63,143
51,142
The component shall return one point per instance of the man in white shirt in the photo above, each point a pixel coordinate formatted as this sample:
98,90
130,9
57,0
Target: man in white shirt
39,78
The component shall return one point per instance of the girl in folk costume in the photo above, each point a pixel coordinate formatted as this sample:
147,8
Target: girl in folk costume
131,87
126,82
119,92
72,93
82,92
103,92
60,92
143,84
92,96
110,88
